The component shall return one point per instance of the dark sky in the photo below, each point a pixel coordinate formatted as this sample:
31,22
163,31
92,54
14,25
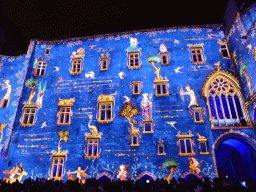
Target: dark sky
22,20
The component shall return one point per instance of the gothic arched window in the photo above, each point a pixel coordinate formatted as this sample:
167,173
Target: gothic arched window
225,101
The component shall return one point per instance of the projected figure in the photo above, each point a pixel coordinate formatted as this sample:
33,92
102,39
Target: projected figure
39,100
90,74
6,99
79,173
123,173
2,126
191,93
35,66
162,48
15,171
121,75
194,165
79,53
146,106
133,45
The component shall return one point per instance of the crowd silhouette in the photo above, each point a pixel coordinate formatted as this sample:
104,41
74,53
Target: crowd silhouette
160,185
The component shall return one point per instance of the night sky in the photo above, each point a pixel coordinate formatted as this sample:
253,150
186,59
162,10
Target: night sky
23,20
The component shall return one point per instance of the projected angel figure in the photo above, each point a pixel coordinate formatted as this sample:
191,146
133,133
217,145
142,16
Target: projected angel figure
7,96
123,173
40,95
146,106
191,93
79,173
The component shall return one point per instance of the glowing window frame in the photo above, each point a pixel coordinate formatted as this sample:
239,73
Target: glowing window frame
133,53
197,48
3,101
185,138
222,49
102,68
137,138
47,51
136,83
167,58
87,156
160,144
100,111
161,83
76,72
199,110
58,158
65,113
205,142
151,124
41,66
30,114
105,59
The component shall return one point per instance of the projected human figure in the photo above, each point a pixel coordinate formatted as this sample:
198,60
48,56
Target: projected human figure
191,93
123,173
79,173
6,99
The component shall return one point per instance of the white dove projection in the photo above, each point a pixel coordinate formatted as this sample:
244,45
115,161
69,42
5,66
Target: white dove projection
177,70
172,124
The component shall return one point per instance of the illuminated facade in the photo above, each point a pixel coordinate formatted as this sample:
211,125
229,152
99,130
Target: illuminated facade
137,97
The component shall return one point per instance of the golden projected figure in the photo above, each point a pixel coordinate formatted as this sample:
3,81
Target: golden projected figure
191,93
79,173
2,126
6,99
194,165
15,171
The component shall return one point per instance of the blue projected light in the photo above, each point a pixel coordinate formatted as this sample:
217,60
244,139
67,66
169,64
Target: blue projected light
239,146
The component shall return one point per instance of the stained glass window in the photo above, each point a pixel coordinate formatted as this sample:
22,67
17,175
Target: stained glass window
225,104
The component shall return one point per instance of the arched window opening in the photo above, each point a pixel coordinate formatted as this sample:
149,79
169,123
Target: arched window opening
225,104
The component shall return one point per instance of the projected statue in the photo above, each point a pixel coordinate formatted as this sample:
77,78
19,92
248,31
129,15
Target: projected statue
191,93
146,106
